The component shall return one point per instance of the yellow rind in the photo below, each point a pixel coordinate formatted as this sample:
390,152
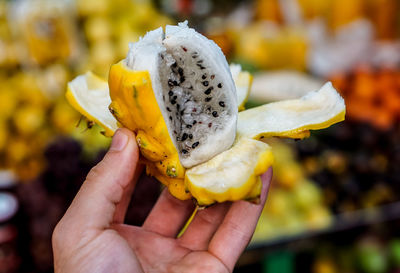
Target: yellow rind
149,147
244,80
135,106
304,131
89,76
255,192
175,185
177,188
249,189
293,118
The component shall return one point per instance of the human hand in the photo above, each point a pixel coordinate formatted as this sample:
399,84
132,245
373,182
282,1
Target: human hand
91,237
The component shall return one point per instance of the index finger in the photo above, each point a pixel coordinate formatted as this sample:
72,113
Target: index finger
106,185
238,226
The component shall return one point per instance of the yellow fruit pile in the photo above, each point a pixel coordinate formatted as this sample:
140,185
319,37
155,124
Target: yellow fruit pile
28,120
294,204
41,48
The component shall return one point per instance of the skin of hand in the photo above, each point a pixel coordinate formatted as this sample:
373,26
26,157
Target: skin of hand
92,236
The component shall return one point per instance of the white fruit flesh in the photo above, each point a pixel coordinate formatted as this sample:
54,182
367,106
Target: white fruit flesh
194,89
316,110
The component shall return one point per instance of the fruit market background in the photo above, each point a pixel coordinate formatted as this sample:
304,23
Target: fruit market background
334,204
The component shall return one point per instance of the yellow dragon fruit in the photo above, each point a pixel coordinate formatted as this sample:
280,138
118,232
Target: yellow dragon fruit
176,91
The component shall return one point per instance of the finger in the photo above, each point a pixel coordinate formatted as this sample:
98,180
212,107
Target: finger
122,206
238,226
95,204
168,215
205,223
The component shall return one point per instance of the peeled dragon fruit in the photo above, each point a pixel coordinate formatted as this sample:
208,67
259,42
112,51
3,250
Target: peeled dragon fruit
193,87
175,90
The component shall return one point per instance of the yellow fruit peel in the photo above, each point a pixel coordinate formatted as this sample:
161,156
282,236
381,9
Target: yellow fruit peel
243,81
243,84
231,175
149,147
135,106
175,185
89,95
293,118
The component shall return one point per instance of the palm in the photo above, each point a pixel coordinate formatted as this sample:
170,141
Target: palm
157,253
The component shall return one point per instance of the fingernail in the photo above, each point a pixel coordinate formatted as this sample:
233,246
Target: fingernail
119,141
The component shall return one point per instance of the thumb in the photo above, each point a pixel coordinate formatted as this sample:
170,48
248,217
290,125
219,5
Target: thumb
105,186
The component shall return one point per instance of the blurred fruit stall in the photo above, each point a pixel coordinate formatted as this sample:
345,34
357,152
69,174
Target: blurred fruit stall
334,201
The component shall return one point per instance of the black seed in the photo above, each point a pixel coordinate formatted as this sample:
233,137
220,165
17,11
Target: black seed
188,126
180,71
182,113
170,93
222,104
178,138
173,102
163,97
174,97
204,76
184,136
200,66
184,151
175,83
190,136
194,122
191,87
175,132
209,108
182,79
200,122
195,55
200,61
209,125
169,110
220,85
215,114
184,48
194,145
170,83
205,83
178,106
208,99
212,77
208,91
170,118
174,65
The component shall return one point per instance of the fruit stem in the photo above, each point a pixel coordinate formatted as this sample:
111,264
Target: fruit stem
188,221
